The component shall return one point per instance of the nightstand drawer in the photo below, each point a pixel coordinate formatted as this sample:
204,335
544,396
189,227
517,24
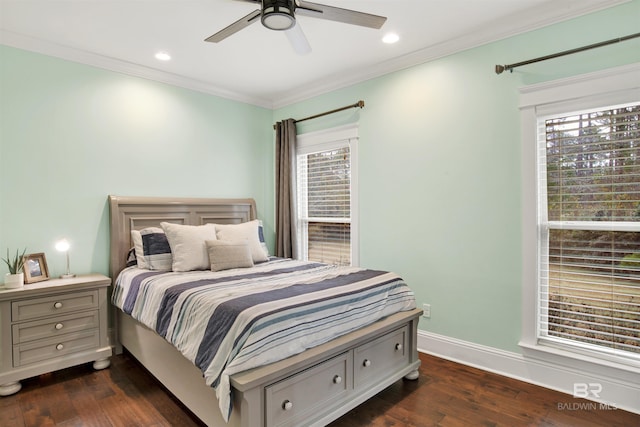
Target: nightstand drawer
374,359
291,401
55,326
28,309
50,348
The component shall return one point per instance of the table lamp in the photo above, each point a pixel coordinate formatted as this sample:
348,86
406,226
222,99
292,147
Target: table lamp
63,246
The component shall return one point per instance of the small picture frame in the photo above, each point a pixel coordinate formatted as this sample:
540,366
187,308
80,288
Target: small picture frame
35,268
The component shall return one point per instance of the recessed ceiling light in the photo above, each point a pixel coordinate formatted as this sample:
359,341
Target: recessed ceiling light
163,56
390,38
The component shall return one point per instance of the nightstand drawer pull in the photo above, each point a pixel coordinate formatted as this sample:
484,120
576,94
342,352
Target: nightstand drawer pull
59,347
366,363
287,405
337,379
59,326
399,347
57,305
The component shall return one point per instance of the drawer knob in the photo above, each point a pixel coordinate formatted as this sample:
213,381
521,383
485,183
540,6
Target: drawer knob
59,347
57,305
399,347
59,326
366,363
287,405
337,379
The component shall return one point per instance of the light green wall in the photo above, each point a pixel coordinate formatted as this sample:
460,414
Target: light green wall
71,134
440,169
439,161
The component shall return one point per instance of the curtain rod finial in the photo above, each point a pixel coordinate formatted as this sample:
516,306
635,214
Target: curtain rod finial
500,69
361,104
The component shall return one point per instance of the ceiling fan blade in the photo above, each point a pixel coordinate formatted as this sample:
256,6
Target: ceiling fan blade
332,13
235,27
298,40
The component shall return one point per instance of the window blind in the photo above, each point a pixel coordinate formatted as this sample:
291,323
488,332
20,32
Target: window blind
324,180
589,294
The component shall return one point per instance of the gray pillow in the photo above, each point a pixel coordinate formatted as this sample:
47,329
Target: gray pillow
226,254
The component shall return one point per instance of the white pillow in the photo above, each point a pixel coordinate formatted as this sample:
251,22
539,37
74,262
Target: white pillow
226,254
188,245
246,231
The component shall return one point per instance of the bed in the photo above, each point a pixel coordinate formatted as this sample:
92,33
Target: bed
310,386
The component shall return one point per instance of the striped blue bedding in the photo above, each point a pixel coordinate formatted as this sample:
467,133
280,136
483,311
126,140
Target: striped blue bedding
234,320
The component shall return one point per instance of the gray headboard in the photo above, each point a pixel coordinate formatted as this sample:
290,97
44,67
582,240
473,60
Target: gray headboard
135,213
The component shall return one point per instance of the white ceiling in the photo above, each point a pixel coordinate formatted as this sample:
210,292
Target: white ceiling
257,65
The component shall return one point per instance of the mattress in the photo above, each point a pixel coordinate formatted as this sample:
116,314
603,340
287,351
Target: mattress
234,320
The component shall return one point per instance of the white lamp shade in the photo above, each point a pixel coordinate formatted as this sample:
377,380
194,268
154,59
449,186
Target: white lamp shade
63,245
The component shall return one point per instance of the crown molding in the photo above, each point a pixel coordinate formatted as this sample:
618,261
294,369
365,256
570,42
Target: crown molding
519,24
32,44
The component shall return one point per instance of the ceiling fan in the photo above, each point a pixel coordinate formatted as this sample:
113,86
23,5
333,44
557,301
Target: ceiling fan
280,15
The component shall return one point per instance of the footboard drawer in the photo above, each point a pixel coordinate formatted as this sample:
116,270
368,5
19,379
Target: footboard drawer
376,359
291,401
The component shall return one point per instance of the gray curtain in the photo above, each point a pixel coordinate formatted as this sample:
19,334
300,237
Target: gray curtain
286,243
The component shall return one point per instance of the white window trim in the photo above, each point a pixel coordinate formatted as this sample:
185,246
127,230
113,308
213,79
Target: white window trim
613,86
324,140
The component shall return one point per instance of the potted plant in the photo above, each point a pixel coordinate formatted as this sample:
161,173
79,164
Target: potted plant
15,277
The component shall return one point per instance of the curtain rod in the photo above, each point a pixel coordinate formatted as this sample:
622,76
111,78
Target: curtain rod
359,104
510,67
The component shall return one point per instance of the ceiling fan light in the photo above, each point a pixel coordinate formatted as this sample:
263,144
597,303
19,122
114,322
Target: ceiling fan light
390,38
278,14
162,56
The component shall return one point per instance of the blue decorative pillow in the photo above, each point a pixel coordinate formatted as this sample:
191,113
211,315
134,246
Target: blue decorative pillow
152,249
261,238
131,258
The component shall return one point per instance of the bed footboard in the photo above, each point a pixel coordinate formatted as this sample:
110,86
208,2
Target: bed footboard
311,388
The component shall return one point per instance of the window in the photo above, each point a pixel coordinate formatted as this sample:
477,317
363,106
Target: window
590,229
326,196
581,220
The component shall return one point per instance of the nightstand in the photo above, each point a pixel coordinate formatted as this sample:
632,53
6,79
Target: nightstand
52,325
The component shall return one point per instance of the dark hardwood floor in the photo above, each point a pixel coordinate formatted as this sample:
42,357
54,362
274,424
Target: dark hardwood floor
446,394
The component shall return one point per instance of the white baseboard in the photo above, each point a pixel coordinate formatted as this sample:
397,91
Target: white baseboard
613,393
